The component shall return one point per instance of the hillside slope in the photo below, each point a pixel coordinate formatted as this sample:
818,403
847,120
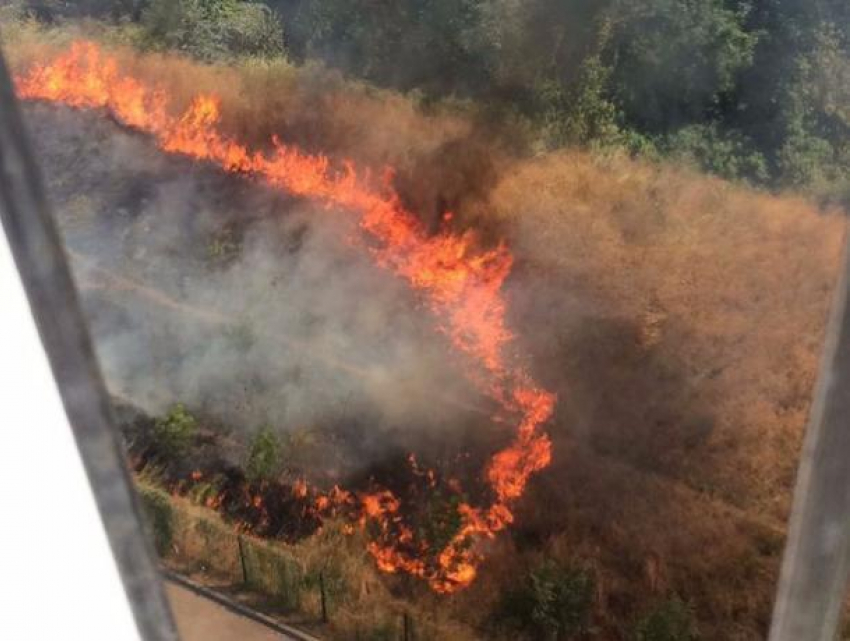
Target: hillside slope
679,318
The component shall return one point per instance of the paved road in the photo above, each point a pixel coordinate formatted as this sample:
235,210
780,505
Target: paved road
199,619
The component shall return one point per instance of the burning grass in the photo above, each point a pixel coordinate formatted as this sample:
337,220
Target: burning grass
283,579
310,107
678,318
459,279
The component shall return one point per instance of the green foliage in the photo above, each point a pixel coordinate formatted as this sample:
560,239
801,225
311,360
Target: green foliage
160,517
580,113
747,90
272,572
815,114
553,601
794,99
405,43
671,621
213,29
441,521
174,433
55,10
757,91
263,456
675,60
728,154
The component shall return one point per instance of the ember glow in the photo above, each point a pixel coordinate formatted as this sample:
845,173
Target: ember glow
460,281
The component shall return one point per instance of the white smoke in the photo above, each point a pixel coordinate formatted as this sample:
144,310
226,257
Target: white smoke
213,291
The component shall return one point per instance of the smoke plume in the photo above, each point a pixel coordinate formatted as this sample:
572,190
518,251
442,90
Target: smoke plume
213,291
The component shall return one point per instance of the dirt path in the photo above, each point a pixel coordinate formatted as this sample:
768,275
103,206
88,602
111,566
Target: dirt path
199,619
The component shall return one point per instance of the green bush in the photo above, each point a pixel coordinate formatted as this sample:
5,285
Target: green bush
744,91
580,113
406,43
213,29
263,456
160,518
440,521
553,601
671,621
174,433
727,154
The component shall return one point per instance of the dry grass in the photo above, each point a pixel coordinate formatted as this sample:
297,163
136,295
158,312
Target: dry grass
720,295
310,106
684,320
680,318
283,579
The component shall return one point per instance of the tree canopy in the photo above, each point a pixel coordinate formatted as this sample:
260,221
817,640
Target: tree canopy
757,90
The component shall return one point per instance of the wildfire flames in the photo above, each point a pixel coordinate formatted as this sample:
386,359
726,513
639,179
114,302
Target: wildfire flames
459,279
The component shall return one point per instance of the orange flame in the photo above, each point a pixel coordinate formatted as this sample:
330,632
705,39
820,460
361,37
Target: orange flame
299,489
460,280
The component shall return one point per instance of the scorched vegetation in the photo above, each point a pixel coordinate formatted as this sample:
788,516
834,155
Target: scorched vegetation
481,319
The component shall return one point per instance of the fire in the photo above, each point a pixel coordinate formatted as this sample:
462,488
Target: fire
299,489
459,279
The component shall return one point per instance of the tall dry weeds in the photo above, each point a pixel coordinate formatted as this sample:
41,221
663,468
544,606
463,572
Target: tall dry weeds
680,318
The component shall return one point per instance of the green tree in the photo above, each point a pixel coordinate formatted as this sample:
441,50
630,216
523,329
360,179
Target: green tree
725,152
174,433
676,61
263,461
815,117
211,29
553,601
408,44
441,520
581,113
793,100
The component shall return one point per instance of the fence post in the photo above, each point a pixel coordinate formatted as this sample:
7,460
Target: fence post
324,597
242,559
406,627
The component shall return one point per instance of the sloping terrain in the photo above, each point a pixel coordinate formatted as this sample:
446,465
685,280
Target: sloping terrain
678,317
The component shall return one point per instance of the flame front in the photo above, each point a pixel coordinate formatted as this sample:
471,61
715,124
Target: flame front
460,280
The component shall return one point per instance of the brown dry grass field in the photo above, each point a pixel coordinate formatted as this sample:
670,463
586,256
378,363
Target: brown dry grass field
679,317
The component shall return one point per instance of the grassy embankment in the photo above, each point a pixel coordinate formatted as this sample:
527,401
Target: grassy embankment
284,581
679,317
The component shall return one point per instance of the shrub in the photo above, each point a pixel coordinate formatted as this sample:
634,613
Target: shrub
671,621
157,508
581,113
263,456
814,115
213,29
173,434
553,601
676,60
441,521
726,154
